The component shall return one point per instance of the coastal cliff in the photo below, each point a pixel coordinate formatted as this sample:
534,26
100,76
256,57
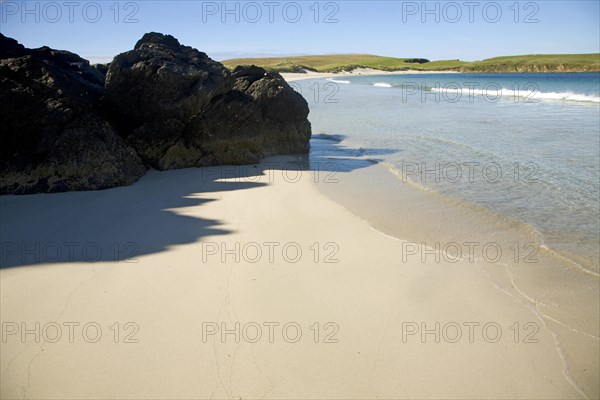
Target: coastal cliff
71,126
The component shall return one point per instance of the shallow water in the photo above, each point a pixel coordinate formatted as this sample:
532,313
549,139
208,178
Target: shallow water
525,147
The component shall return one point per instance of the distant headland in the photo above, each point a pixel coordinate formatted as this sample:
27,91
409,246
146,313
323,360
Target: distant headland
334,63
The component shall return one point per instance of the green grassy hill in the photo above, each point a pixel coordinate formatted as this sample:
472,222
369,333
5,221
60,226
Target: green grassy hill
538,63
348,62
325,63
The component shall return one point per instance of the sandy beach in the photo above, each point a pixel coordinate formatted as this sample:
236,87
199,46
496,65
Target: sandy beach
289,76
180,221
247,282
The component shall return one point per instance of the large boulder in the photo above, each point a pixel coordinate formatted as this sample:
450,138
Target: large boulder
87,155
71,126
284,111
154,91
262,116
53,130
178,108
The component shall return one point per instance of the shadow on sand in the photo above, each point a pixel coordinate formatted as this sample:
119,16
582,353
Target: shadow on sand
107,225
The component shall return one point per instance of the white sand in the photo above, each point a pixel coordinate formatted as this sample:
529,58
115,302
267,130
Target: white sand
370,294
288,76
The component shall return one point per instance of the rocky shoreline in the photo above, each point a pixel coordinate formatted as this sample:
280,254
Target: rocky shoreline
71,126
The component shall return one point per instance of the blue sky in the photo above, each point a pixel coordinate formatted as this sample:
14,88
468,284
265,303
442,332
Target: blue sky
468,30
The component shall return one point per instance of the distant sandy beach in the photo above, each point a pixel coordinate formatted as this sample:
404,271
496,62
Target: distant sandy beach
247,282
288,76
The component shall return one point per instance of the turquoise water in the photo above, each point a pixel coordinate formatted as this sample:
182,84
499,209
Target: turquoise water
525,146
492,88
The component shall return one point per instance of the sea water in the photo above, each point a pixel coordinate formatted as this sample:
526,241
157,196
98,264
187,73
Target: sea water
525,147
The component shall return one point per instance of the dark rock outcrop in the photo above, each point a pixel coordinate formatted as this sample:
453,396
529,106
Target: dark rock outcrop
71,126
54,136
178,108
262,116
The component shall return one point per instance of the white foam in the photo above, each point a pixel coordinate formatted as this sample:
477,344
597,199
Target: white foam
337,81
382,84
524,96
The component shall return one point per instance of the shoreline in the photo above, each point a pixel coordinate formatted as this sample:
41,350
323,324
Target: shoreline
560,292
296,76
189,274
369,298
292,76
